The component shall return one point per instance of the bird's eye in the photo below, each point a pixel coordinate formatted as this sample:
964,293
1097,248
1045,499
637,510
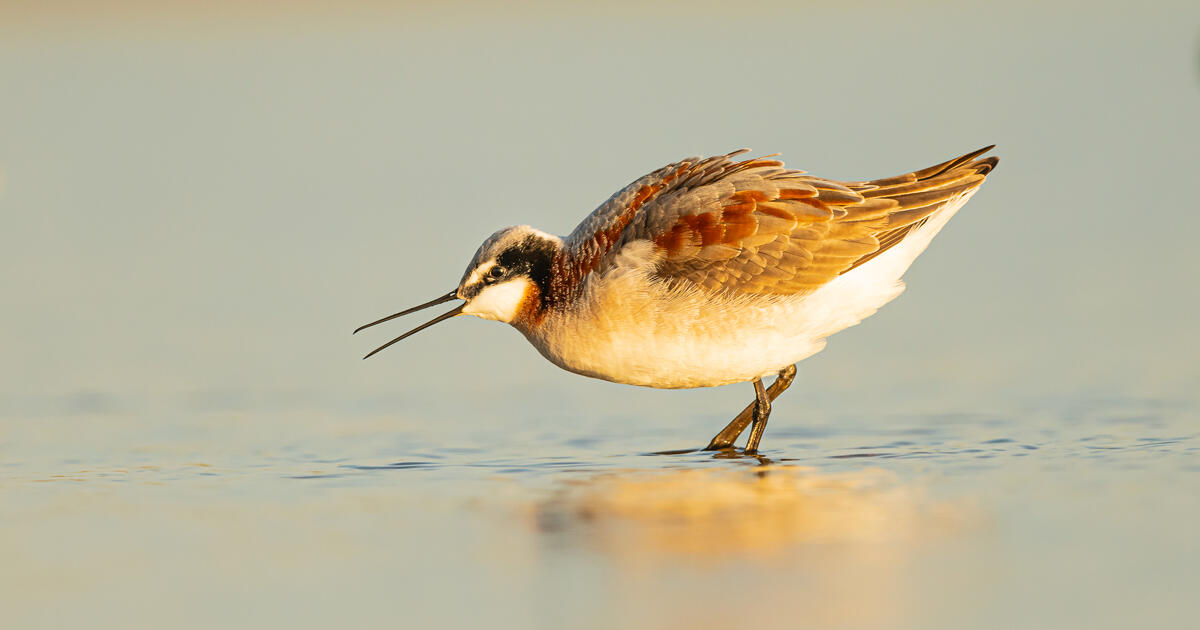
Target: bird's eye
493,274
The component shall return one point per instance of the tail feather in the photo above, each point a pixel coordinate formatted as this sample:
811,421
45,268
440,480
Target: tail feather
922,193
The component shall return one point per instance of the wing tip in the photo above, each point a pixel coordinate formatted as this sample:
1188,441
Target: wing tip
968,159
986,165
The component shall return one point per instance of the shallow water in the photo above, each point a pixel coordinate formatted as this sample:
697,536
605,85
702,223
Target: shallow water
1075,515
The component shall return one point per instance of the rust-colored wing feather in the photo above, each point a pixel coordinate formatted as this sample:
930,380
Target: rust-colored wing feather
756,227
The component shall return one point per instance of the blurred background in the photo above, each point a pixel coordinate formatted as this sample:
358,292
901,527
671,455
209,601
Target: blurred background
201,200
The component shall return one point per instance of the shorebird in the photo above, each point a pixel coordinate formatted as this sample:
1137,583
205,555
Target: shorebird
711,271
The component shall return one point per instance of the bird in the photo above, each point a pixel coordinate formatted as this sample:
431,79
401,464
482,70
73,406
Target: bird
711,271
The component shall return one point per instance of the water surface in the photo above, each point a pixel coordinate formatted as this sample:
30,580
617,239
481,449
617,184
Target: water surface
1076,516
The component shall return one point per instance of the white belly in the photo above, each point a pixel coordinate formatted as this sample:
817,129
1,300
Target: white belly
633,330
682,343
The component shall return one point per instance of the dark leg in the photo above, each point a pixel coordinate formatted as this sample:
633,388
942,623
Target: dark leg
733,430
762,411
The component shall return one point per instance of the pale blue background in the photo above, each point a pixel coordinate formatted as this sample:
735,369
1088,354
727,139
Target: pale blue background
199,205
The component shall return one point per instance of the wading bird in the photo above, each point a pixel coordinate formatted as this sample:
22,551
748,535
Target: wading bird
712,271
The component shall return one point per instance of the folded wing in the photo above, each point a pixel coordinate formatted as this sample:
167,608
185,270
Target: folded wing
756,227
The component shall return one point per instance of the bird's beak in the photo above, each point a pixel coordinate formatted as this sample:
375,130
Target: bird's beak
453,295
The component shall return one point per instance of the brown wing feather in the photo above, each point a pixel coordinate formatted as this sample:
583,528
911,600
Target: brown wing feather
781,232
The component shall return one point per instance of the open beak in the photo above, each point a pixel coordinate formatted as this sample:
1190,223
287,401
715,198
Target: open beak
447,315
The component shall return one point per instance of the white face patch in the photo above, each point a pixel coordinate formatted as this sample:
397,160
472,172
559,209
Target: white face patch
500,302
478,273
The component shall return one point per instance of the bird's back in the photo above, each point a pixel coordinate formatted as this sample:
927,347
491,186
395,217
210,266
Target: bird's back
756,227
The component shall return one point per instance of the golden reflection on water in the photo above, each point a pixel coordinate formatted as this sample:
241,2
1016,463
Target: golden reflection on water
784,545
755,512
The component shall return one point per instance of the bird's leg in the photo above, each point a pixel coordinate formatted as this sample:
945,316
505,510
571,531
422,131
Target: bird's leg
734,429
762,411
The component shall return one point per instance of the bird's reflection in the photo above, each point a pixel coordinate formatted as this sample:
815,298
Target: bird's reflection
753,511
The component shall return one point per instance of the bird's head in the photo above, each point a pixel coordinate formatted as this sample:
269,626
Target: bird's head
505,281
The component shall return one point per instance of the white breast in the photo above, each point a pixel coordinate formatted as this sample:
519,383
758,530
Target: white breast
631,329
